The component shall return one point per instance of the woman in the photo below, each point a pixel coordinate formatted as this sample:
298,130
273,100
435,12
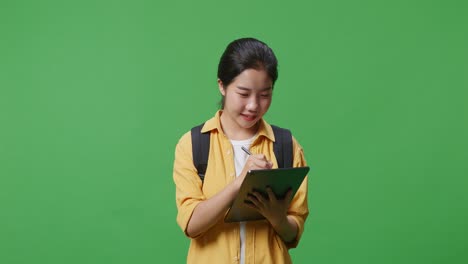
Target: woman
247,72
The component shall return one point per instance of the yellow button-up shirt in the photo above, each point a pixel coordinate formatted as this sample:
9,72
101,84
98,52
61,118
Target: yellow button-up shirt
221,243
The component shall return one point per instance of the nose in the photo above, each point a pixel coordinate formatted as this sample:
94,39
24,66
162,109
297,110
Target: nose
252,104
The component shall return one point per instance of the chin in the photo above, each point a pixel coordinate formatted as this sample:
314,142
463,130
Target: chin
248,125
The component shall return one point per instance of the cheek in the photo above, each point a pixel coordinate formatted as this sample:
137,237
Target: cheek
266,103
233,101
240,103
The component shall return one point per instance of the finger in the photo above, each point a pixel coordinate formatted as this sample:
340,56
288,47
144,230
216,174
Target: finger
253,199
263,164
271,194
255,163
250,204
288,196
259,197
259,156
270,165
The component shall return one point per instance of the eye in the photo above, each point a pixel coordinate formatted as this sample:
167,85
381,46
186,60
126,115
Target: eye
243,94
267,95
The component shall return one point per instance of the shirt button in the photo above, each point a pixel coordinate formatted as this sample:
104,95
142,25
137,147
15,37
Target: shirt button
228,152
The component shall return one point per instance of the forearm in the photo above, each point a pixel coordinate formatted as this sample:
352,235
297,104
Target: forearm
286,228
208,212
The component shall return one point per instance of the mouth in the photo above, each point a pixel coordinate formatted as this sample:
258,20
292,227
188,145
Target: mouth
249,118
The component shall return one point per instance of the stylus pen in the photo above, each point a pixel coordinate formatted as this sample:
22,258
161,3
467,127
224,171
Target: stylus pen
246,150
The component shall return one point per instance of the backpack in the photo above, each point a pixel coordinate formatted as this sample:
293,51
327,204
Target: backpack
282,148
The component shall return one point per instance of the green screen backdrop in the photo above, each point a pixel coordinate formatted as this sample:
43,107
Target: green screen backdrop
95,94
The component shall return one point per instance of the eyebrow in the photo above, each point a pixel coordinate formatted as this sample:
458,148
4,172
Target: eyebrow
248,89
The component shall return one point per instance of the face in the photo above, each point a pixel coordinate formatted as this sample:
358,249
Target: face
246,100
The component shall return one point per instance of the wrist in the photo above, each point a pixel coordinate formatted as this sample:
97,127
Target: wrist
279,223
239,179
236,184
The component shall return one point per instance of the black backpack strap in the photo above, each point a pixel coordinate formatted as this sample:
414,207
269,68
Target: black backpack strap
200,150
283,147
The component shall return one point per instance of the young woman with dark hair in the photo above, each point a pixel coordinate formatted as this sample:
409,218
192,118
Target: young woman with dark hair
247,72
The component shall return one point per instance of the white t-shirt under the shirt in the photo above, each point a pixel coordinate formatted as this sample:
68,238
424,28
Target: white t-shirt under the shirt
240,157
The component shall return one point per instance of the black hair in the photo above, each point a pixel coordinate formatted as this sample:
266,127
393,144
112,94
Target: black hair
243,54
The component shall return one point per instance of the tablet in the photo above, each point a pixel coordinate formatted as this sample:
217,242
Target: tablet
279,180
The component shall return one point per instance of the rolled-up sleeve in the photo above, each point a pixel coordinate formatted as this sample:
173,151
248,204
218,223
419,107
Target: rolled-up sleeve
188,184
299,209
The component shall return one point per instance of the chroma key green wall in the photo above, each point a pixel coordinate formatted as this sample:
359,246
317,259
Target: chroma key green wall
95,94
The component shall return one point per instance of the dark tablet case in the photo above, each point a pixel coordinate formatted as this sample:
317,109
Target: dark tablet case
279,180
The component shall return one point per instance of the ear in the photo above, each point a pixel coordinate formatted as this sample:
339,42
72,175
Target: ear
221,87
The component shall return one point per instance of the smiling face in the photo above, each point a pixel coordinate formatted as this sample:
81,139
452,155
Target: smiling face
246,99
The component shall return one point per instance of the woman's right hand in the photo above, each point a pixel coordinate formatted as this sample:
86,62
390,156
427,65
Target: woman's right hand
254,162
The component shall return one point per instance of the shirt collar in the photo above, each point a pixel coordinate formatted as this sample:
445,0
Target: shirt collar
215,123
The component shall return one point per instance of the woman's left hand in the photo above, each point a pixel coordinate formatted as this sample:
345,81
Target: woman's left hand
273,209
